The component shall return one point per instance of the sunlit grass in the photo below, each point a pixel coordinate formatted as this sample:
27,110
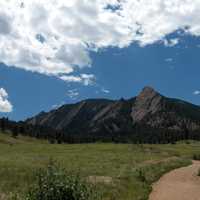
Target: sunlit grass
21,157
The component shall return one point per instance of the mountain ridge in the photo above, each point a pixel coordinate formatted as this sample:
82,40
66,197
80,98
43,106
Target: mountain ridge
150,111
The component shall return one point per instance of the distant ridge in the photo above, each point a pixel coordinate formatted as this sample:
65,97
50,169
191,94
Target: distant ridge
150,111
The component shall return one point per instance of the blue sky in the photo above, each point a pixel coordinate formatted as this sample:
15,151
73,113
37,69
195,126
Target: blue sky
173,71
64,52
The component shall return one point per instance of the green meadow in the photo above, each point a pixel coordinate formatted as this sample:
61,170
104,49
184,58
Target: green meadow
119,171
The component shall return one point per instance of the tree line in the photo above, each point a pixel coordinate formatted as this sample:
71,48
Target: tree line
139,133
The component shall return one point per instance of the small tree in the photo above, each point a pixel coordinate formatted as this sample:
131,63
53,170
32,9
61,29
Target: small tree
15,131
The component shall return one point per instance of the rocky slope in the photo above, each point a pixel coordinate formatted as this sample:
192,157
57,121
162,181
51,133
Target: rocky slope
106,116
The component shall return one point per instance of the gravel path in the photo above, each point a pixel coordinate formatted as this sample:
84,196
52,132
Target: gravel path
179,184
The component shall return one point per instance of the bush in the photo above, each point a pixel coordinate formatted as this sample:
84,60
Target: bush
140,173
198,172
53,184
196,157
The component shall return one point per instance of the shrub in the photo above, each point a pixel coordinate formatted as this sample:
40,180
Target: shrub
141,175
198,172
54,184
196,157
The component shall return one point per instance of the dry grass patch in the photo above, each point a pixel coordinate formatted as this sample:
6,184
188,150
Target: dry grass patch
100,179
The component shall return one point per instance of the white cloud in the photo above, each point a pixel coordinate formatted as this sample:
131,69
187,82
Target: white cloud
85,79
197,92
55,106
73,94
70,78
56,37
169,59
5,105
105,91
171,43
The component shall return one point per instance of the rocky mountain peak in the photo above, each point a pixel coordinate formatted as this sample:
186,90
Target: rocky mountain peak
147,102
147,92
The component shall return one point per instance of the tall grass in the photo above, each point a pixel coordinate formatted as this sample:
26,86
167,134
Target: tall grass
53,183
21,157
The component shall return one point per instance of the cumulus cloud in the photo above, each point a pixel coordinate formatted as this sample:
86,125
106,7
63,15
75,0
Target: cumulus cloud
56,37
5,105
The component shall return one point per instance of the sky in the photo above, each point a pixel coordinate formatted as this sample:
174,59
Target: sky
65,51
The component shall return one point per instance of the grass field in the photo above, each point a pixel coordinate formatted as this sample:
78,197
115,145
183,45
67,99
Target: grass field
122,171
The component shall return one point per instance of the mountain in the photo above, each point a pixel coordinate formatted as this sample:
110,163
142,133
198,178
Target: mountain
148,112
158,111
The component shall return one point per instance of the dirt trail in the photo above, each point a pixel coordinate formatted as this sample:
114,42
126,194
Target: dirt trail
179,184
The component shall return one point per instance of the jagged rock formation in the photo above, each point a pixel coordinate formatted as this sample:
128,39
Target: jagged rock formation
148,102
149,108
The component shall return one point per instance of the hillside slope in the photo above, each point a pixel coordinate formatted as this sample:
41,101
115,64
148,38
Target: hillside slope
100,116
